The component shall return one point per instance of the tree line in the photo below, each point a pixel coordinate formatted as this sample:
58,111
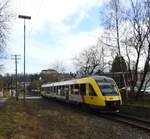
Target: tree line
126,36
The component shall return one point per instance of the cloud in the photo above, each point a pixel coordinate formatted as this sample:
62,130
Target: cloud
52,11
82,15
48,37
71,46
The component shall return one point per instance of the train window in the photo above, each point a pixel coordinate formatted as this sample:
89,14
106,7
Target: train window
76,89
82,89
66,88
47,89
60,88
108,89
58,93
91,91
71,89
54,89
44,89
62,91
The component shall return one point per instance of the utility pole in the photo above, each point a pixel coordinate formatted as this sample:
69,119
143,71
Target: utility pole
16,58
24,17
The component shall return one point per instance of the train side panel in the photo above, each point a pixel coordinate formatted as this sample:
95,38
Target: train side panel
93,96
85,90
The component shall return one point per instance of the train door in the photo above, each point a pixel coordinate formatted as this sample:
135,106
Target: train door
91,97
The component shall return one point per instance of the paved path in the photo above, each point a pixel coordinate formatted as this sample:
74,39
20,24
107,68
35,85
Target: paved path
2,101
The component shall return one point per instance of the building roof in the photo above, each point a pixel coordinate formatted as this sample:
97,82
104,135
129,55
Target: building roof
48,71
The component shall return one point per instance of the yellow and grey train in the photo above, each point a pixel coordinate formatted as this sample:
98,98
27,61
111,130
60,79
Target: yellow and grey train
94,91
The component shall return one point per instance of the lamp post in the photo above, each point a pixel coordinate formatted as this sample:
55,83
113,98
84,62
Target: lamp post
24,17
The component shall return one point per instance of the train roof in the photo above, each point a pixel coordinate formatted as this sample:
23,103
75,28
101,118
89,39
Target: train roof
74,81
99,78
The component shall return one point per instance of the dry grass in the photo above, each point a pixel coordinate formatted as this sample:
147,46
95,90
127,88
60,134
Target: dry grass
139,103
40,119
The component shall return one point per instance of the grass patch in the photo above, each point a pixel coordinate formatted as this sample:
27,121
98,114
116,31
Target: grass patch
40,119
137,103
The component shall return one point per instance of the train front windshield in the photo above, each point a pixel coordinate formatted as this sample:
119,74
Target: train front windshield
107,88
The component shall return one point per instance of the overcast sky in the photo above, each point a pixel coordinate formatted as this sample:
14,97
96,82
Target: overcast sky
58,30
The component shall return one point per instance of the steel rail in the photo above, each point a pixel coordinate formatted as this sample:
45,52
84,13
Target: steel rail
118,117
128,120
133,118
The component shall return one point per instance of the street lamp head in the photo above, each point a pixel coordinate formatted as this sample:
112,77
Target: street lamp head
24,16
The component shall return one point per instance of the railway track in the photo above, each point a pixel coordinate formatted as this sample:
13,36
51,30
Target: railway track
128,120
118,117
122,118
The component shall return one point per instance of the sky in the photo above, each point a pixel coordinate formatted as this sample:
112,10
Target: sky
58,31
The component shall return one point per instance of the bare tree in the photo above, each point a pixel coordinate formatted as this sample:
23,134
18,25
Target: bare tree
139,41
135,40
59,66
90,61
5,17
114,22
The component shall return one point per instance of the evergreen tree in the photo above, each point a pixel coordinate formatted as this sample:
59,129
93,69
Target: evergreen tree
116,64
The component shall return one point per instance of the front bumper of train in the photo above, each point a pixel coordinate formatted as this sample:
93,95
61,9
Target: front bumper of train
112,105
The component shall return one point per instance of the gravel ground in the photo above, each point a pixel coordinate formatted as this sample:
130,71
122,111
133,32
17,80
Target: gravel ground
108,129
117,130
48,119
2,102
